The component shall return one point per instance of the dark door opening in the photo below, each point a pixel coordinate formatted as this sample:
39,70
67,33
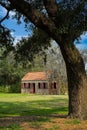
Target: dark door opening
33,87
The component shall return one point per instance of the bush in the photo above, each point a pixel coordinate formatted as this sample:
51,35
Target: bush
4,89
15,88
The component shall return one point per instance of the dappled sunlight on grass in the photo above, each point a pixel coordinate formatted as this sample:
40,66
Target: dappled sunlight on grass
36,112
20,105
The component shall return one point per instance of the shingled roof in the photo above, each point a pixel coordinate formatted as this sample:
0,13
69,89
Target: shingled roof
35,76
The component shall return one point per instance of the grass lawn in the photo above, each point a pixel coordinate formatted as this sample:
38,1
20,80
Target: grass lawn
26,105
36,112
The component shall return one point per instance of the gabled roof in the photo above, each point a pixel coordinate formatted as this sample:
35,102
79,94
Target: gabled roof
35,76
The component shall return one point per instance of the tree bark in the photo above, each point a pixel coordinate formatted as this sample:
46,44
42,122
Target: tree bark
77,80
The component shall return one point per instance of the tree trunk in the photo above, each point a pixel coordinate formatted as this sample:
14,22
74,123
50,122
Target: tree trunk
77,80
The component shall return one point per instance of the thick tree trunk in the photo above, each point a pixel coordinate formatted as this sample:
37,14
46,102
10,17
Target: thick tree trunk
77,81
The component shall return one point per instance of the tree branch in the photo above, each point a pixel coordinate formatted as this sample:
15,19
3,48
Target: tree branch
51,7
8,8
6,16
37,18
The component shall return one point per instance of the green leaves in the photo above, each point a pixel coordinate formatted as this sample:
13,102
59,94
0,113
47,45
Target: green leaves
27,48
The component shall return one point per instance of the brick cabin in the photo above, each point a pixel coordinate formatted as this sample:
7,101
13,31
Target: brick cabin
37,82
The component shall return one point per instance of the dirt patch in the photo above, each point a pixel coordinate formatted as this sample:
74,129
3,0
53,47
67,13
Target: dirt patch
45,123
56,124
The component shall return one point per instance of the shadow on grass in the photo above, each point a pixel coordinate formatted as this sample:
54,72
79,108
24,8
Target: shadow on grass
7,121
31,111
33,108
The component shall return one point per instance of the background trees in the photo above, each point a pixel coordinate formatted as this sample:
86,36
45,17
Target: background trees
10,75
12,70
55,68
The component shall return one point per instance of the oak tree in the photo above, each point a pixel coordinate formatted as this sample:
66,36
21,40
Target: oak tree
64,21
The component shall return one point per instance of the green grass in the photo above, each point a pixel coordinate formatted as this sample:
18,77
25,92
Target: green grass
53,128
74,122
12,127
25,104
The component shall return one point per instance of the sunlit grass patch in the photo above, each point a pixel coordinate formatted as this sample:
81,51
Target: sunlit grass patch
26,105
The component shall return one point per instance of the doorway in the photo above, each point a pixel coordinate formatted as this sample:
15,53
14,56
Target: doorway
33,87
